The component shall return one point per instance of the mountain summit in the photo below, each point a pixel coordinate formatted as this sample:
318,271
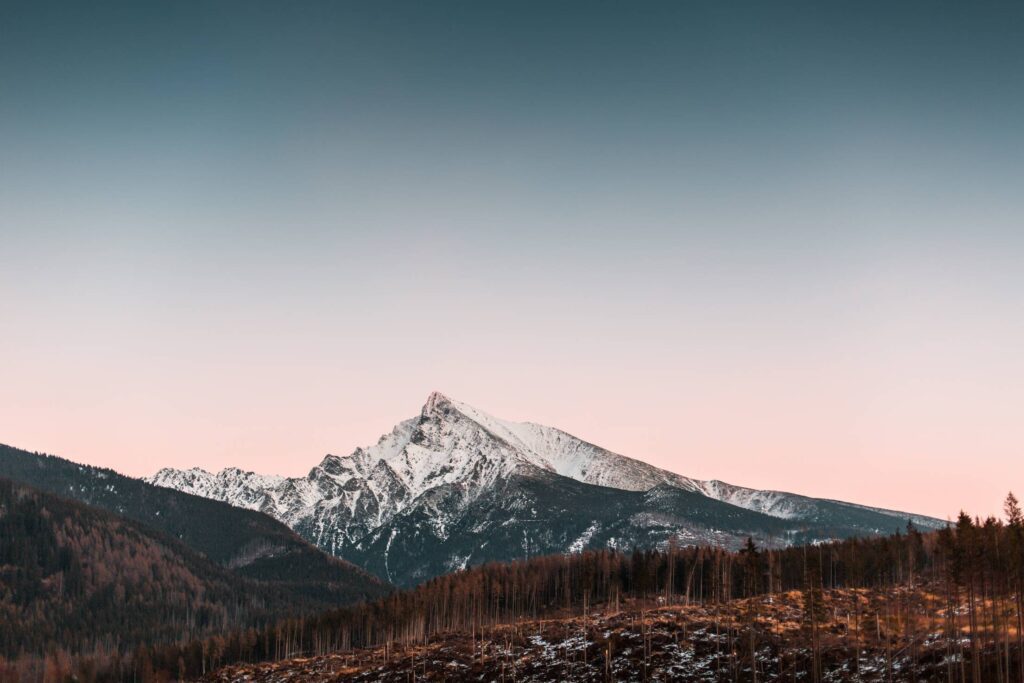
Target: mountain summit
455,485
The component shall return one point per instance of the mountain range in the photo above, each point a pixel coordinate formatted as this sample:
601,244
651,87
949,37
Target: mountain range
455,486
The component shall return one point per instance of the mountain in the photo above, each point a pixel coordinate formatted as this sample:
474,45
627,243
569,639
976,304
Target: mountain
248,543
456,486
86,580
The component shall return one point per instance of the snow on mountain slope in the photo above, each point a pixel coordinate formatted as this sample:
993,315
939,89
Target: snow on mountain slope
774,503
437,474
563,453
449,443
572,457
242,489
343,498
792,506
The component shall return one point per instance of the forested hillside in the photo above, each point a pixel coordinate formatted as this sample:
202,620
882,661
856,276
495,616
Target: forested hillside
935,602
247,542
76,580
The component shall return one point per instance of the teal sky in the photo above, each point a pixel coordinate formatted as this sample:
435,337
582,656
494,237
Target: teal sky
730,239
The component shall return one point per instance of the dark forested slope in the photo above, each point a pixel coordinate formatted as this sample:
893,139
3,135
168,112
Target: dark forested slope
85,580
249,543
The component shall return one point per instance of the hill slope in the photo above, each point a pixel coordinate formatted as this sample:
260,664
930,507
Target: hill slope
247,542
84,579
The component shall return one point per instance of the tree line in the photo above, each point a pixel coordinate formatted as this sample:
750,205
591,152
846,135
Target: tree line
976,566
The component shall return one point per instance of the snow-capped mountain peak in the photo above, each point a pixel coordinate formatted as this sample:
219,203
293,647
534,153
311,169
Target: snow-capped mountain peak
452,458
554,450
435,401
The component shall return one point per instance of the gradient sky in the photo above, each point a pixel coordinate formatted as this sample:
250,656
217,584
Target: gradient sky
779,244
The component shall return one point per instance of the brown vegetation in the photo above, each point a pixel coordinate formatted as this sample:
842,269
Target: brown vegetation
939,606
862,635
82,589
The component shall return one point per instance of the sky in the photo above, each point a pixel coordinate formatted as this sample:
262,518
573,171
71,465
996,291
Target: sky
778,244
